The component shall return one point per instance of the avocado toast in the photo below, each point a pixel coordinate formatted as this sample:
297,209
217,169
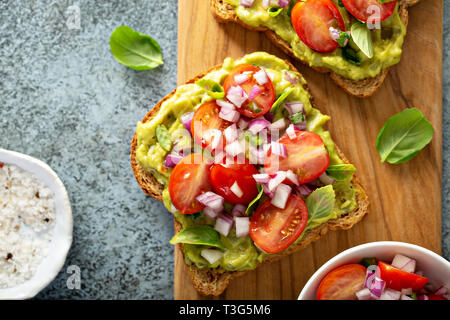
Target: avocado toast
240,254
360,78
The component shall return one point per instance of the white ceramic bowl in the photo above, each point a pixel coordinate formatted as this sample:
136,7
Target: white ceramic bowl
434,266
62,238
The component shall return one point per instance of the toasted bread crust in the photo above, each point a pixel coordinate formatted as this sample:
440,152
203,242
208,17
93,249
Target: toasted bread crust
224,12
215,281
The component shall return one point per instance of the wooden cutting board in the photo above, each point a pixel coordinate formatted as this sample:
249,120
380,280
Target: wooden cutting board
405,199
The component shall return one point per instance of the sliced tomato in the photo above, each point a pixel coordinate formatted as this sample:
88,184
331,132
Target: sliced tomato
306,156
312,20
342,283
263,102
433,296
274,229
205,122
371,11
188,180
223,177
398,279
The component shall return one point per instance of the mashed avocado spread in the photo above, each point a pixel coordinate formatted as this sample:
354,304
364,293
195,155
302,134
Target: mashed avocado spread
387,41
240,253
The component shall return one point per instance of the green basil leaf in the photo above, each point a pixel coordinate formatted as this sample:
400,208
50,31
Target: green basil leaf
203,235
351,55
249,208
274,11
297,117
134,49
281,99
320,203
343,37
341,172
362,38
403,136
214,89
163,137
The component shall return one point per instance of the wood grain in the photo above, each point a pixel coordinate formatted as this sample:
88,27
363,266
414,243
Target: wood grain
405,199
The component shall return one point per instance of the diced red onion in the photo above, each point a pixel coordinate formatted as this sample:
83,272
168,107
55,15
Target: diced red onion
225,104
257,155
267,191
242,226
407,291
283,3
231,133
186,119
211,200
301,126
210,213
365,294
229,114
377,286
325,179
238,210
336,34
243,123
247,3
281,196
257,125
404,263
211,255
278,149
294,107
241,78
234,148
290,131
216,138
292,177
236,190
261,177
304,190
237,96
256,91
269,116
441,291
271,75
423,297
261,77
405,297
224,223
172,160
291,79
278,125
390,294
370,276
275,181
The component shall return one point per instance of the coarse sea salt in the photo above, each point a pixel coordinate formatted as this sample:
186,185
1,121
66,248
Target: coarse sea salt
27,220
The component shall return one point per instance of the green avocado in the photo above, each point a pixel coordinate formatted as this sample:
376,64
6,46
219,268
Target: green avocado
387,41
240,253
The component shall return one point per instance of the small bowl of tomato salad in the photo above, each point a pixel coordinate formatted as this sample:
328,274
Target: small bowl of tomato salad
383,270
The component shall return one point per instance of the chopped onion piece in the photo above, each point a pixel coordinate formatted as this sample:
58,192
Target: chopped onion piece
407,291
271,75
238,210
234,148
278,125
423,297
257,125
281,196
304,190
224,224
256,91
294,107
210,213
243,123
230,115
257,155
247,3
291,79
241,78
237,96
377,286
261,177
242,226
390,294
301,126
292,177
225,104
290,131
261,77
186,119
325,179
216,138
404,263
278,149
231,133
276,180
283,3
365,294
172,160
212,200
267,191
211,255
236,190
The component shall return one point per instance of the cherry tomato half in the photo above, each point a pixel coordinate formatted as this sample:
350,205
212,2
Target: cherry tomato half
371,11
274,229
223,177
306,156
342,283
205,120
398,279
263,102
188,180
312,21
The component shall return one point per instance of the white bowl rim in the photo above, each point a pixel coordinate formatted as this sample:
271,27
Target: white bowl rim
64,222
368,245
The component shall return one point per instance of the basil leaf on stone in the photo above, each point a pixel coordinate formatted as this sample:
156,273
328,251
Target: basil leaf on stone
403,136
134,49
214,89
202,234
341,172
163,137
362,38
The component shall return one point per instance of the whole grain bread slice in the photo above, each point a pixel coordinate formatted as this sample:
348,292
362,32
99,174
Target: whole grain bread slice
215,281
224,12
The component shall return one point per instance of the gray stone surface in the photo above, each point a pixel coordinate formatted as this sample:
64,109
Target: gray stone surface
65,100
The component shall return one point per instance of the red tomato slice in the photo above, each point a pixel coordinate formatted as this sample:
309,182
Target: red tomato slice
342,283
205,119
398,279
312,21
274,229
371,11
263,102
189,179
223,177
306,156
